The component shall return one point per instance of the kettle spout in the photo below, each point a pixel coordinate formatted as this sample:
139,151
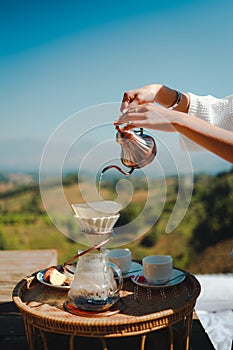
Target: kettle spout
118,168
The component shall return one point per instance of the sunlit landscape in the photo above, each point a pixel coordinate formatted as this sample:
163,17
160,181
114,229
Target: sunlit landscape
200,243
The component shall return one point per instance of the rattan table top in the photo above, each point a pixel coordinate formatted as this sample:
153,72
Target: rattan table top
146,309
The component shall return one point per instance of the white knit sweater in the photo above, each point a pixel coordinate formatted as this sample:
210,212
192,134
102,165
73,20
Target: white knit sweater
214,110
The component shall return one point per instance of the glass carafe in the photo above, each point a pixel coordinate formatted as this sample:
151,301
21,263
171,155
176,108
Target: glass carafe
94,287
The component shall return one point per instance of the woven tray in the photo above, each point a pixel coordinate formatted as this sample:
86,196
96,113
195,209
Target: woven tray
146,309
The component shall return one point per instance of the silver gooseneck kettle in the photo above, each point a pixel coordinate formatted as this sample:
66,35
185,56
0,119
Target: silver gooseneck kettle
137,149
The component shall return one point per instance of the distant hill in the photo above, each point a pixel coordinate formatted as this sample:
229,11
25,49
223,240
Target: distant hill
18,178
199,243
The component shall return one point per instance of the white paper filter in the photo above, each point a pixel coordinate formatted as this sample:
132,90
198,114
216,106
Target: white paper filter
97,209
103,224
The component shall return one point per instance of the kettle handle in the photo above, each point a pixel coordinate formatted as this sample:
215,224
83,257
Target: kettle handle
119,276
128,127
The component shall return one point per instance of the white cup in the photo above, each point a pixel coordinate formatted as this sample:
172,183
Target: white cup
121,257
157,268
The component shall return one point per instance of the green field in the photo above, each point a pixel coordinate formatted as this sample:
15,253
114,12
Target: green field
199,243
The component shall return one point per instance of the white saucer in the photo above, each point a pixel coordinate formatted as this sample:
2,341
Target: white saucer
135,269
140,280
40,278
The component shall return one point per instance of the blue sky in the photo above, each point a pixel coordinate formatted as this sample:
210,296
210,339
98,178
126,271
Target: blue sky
61,57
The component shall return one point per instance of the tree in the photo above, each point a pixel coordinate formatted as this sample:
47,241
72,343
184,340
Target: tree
217,222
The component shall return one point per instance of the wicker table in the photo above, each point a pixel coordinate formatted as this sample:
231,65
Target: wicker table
146,310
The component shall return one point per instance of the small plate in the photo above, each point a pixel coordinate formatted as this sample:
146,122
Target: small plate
40,278
135,268
140,280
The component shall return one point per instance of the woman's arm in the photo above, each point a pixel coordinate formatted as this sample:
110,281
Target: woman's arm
158,93
212,138
217,111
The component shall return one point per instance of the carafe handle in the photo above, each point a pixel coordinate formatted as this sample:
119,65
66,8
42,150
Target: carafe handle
118,272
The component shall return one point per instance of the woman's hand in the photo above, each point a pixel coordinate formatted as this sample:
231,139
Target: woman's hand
139,96
147,116
158,93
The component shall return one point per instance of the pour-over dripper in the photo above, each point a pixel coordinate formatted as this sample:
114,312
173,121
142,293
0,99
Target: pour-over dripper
99,229
97,219
100,225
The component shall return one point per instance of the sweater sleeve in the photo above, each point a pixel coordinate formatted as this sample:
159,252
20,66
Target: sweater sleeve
216,111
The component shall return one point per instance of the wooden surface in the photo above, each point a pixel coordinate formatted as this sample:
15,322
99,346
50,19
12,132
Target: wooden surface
16,264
